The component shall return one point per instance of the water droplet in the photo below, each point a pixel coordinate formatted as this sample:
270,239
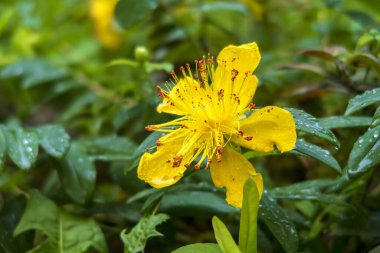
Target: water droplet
376,134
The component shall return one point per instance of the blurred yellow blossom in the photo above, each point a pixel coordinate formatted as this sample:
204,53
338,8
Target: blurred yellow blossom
216,110
102,12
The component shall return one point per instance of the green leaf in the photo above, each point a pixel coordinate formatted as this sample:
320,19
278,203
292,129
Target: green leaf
54,140
248,218
365,60
278,223
195,202
3,149
123,62
223,237
136,239
77,174
77,105
164,66
65,232
33,72
308,124
321,54
307,149
126,114
365,153
142,194
308,190
345,121
10,215
130,12
224,6
376,118
109,148
22,146
199,248
360,101
306,67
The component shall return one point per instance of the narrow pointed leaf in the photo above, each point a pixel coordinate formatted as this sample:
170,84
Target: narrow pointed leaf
248,218
3,149
199,248
376,118
278,223
223,237
365,153
307,149
309,124
363,100
345,121
321,54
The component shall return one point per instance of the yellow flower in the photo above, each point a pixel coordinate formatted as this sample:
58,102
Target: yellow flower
216,110
101,12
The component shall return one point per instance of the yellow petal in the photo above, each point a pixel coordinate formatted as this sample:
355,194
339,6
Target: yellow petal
266,128
247,91
243,58
233,74
232,172
160,169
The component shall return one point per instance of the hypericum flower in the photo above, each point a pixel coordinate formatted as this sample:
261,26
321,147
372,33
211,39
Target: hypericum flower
216,110
102,12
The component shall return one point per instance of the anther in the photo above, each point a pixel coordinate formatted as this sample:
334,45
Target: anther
186,165
234,74
158,88
158,143
181,68
248,138
149,128
220,93
219,149
219,159
196,167
241,133
252,105
177,159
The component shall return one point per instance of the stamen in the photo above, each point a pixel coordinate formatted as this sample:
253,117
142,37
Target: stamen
252,105
177,159
234,74
150,128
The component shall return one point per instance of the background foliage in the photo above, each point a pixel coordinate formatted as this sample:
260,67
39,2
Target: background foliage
77,87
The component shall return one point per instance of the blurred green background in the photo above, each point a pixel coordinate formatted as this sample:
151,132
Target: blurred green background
78,81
